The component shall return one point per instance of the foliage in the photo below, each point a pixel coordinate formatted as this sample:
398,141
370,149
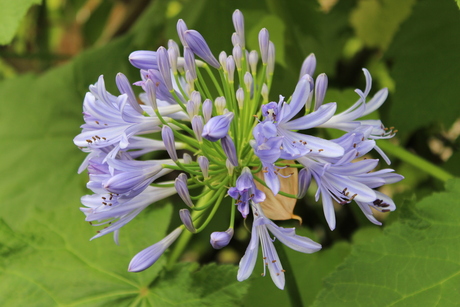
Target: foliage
46,256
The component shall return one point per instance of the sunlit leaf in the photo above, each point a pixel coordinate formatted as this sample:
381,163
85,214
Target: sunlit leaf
376,21
415,262
11,14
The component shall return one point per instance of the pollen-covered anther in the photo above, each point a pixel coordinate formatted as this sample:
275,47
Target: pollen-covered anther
320,150
353,197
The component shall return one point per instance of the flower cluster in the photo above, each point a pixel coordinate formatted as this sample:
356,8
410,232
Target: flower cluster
225,137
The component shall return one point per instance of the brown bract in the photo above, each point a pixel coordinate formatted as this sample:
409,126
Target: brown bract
280,207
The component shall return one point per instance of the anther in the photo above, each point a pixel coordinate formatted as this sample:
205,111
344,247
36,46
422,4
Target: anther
320,150
89,141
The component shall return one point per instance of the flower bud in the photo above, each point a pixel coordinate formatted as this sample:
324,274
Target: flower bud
304,182
238,23
173,55
238,56
264,39
240,97
253,59
229,149
181,28
207,110
150,255
308,66
150,90
168,139
187,158
271,59
235,39
125,88
197,126
186,219
144,59
190,62
182,190
230,67
220,239
164,67
264,92
248,81
217,127
320,90
197,43
220,103
189,78
223,60
203,162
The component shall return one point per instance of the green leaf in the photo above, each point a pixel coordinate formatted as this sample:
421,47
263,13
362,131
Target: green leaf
52,262
416,262
376,21
212,285
11,13
425,67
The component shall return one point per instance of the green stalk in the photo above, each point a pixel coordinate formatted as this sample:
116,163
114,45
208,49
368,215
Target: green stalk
415,160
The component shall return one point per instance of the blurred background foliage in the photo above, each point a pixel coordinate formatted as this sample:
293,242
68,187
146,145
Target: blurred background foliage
52,50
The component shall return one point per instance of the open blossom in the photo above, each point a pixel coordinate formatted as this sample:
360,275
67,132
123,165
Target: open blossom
211,139
260,233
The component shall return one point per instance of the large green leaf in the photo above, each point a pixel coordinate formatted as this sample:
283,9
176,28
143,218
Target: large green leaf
425,67
416,262
52,262
11,13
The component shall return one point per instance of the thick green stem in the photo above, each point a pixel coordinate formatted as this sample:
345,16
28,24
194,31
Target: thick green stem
415,160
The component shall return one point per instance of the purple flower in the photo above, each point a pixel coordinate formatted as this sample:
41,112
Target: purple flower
220,239
119,210
197,43
150,255
246,191
217,127
278,123
287,236
144,59
344,181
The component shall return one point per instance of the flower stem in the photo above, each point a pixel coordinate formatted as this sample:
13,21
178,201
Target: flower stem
415,160
291,283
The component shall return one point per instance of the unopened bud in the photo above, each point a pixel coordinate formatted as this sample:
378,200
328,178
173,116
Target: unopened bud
186,219
220,239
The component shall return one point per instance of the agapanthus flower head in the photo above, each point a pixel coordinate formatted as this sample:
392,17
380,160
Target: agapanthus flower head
243,147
